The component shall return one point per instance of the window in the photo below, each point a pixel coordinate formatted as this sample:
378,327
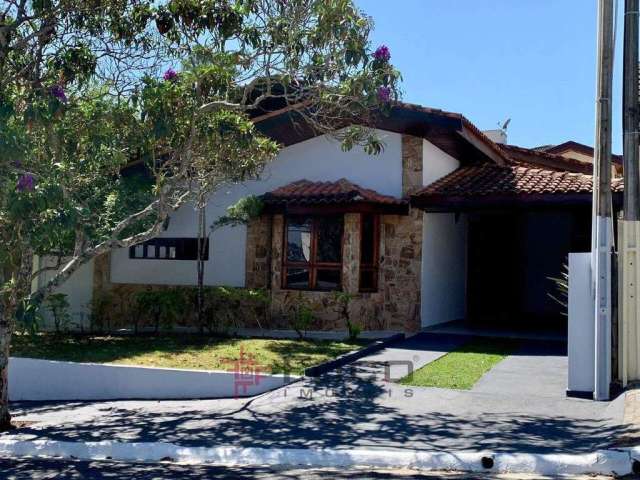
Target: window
369,252
313,253
168,249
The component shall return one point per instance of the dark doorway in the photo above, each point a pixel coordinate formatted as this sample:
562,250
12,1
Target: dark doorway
513,261
493,288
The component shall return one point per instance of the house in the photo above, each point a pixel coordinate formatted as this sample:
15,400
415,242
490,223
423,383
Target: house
580,151
446,223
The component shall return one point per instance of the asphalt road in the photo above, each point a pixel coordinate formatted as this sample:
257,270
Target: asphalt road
50,469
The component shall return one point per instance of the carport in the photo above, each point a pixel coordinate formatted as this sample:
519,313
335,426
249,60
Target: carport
512,229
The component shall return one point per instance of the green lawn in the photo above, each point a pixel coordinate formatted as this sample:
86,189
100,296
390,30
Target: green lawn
181,351
461,368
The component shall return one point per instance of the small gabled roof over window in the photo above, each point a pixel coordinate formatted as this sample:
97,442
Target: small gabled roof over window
331,197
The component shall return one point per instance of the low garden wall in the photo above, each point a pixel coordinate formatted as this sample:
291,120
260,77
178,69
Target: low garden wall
39,380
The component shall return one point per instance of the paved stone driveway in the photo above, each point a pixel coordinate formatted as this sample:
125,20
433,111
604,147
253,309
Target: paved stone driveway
518,406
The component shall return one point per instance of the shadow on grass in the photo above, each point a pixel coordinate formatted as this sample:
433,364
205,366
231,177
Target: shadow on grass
181,351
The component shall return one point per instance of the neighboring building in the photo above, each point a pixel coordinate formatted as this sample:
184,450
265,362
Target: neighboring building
444,224
582,152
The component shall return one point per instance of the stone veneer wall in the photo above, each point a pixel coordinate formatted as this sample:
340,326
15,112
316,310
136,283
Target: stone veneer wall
258,252
396,304
114,304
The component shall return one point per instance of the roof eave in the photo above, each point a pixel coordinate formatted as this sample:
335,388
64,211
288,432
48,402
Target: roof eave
452,203
337,208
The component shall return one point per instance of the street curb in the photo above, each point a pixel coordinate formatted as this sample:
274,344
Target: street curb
603,462
343,360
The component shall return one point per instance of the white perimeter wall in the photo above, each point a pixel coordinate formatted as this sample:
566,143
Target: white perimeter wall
78,288
444,251
581,330
34,379
317,159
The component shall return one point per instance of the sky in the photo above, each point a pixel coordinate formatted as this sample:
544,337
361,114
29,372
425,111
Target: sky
533,61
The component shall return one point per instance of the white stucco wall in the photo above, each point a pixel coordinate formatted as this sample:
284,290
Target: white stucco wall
435,163
444,251
444,261
317,159
78,288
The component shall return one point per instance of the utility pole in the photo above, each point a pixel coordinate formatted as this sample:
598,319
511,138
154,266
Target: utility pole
630,117
629,230
602,222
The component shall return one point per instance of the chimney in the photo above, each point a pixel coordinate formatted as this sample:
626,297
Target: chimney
498,135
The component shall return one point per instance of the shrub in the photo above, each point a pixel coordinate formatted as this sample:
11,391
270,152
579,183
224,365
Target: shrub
343,300
299,314
224,305
28,317
561,293
101,306
58,305
163,306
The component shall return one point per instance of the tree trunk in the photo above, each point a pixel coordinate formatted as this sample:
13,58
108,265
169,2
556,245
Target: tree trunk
5,341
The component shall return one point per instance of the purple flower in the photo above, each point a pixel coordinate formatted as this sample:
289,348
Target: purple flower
170,75
26,183
384,94
382,53
58,92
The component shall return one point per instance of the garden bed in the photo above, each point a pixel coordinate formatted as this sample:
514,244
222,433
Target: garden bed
270,356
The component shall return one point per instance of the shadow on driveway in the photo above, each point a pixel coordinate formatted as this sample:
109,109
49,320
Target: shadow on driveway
349,408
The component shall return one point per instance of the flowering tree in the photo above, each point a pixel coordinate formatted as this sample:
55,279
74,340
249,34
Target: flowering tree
115,113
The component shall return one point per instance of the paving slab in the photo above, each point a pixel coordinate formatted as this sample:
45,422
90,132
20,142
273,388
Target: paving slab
414,353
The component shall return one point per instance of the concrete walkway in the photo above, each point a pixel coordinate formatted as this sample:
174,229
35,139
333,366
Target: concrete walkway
519,406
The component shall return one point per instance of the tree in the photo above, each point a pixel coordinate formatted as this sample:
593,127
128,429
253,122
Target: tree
115,113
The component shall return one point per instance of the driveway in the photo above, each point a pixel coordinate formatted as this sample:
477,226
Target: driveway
518,406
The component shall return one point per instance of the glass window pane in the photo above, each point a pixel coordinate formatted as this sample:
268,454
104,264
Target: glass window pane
367,246
328,279
139,251
163,252
368,279
172,252
297,278
329,239
298,239
151,251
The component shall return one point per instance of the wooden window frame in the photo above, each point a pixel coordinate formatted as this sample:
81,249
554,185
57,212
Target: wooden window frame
370,267
312,266
178,243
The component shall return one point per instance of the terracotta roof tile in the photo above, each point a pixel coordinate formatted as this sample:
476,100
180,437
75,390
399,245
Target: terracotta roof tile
534,157
305,192
576,146
488,179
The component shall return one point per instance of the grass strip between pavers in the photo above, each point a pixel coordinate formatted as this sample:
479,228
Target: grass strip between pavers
461,368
